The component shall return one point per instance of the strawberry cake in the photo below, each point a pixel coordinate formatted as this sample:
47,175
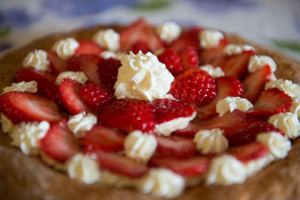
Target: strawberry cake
148,112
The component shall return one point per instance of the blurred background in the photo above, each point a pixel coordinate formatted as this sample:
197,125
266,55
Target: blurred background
273,23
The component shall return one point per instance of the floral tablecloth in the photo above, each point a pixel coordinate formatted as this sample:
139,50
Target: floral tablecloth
274,23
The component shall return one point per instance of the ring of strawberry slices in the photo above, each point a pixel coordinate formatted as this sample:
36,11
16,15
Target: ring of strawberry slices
63,106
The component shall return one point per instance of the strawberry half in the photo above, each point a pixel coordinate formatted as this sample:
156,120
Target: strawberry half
271,102
23,107
189,57
108,72
119,164
141,31
88,63
214,53
175,146
140,46
254,83
194,86
70,93
188,167
189,38
102,138
59,143
129,115
226,86
190,131
88,47
95,96
172,61
57,65
249,152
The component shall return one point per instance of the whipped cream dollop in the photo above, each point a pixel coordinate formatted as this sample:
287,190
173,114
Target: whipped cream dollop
162,183
256,62
83,168
27,136
287,122
140,146
166,128
142,76
295,108
254,166
108,38
37,60
226,170
81,123
22,87
210,38
7,125
65,48
278,145
229,104
80,77
234,49
210,141
168,31
287,86
112,54
215,72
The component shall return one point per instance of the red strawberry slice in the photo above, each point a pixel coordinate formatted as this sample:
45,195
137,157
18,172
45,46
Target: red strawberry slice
189,57
271,102
59,143
142,31
188,167
172,61
189,38
169,109
57,65
102,138
70,93
88,47
23,107
140,46
95,96
88,63
214,53
174,146
129,115
226,86
108,72
249,152
190,131
119,164
194,86
254,83
235,65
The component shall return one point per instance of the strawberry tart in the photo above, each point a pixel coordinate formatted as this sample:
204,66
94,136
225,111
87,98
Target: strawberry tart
148,112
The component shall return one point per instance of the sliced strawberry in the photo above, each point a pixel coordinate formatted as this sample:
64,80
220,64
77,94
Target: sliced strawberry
88,47
248,133
108,72
57,65
190,131
254,83
226,86
59,143
174,146
23,107
249,152
129,115
140,30
188,167
70,93
172,61
189,57
119,164
88,63
194,87
271,102
235,65
214,53
140,46
95,96
189,38
102,138
169,109
45,82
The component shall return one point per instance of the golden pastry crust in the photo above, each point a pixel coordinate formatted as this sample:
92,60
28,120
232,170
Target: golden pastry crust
27,177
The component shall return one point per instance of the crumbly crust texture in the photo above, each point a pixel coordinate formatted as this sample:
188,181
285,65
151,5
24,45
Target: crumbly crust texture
27,177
